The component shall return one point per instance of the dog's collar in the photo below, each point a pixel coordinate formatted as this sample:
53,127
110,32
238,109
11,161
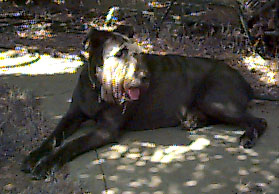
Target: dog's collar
93,84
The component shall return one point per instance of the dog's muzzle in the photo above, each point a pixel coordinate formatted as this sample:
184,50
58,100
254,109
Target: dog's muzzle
134,87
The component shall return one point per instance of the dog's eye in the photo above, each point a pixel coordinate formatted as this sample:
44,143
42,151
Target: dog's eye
121,52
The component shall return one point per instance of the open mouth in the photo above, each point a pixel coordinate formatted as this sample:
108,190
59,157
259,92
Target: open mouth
133,93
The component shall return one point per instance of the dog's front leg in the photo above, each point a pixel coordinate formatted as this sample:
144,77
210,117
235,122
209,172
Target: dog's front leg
66,127
69,151
106,131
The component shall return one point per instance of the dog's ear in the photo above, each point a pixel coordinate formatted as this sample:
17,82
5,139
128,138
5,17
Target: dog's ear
95,38
126,30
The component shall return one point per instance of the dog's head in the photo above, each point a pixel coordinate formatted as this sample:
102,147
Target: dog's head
116,62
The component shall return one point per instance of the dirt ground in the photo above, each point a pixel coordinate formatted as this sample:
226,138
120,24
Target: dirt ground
23,124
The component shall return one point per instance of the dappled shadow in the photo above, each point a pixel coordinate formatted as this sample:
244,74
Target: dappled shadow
261,74
209,161
190,29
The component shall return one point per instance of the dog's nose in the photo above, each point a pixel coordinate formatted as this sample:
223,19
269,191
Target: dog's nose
143,77
139,80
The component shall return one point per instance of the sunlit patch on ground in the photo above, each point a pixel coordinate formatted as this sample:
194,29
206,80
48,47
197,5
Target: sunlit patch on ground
160,153
14,58
22,62
269,68
175,152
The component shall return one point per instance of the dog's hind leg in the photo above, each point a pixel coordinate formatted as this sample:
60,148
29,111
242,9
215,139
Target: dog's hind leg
255,127
66,127
224,108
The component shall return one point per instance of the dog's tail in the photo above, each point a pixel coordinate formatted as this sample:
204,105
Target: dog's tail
260,96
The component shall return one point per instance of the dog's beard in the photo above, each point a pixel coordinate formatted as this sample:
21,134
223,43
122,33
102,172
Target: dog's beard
114,76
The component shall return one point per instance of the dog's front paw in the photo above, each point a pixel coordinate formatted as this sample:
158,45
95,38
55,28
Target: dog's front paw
44,167
28,164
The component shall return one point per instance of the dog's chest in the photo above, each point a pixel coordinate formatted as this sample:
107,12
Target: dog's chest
160,106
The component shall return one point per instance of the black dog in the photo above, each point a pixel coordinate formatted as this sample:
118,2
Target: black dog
123,89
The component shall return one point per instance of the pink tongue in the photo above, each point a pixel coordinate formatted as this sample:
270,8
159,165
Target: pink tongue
134,93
